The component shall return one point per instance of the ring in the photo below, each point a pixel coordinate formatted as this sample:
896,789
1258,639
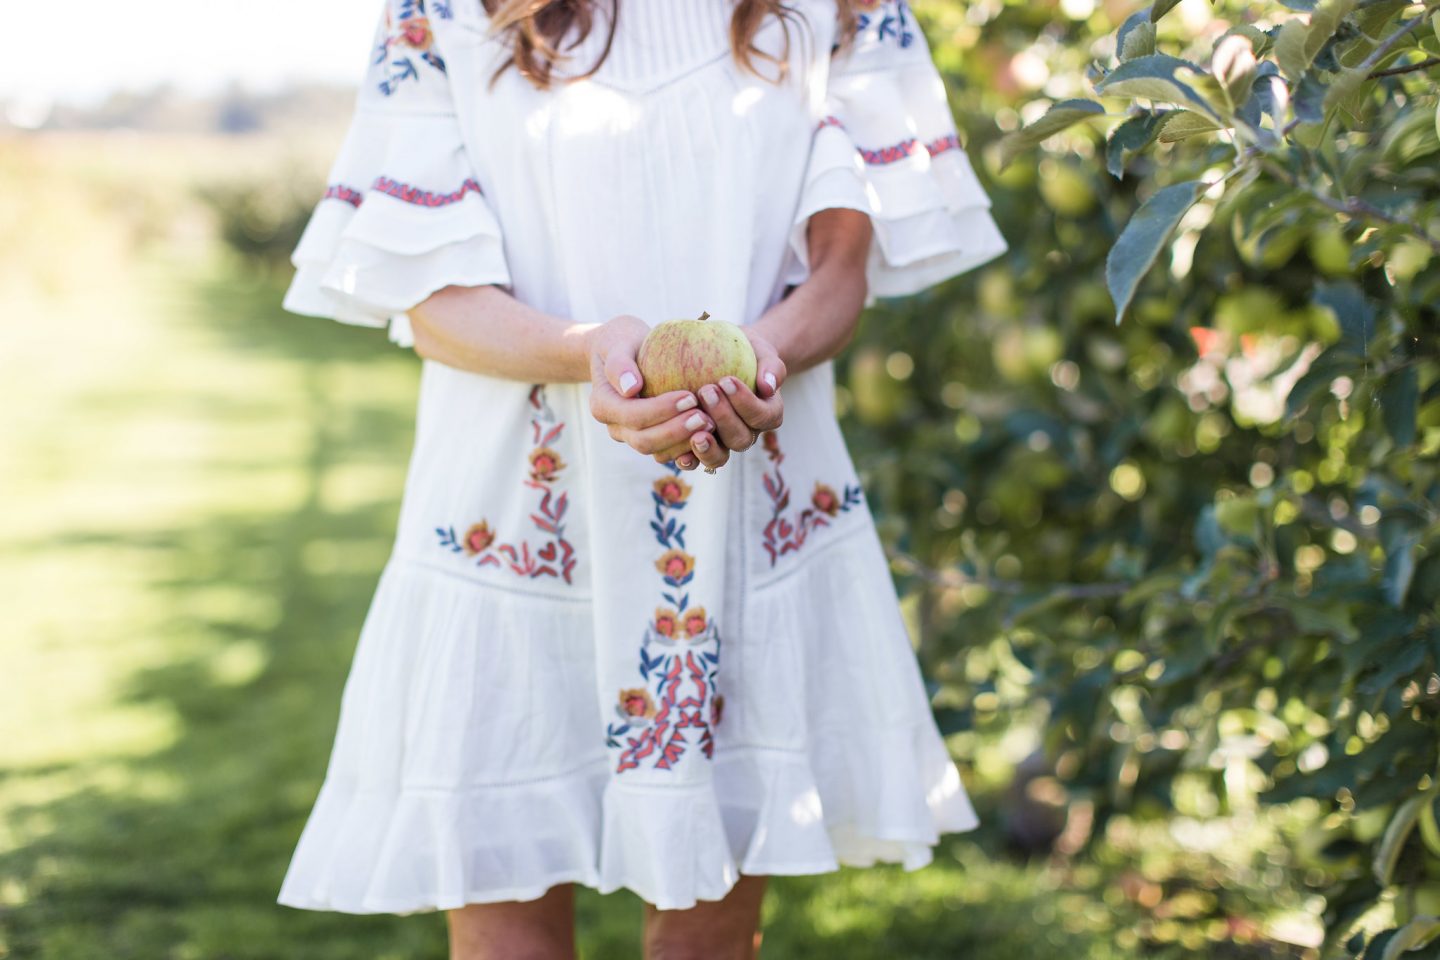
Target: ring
754,436
709,469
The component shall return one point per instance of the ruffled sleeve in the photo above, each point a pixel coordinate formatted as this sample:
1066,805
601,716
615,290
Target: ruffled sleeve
886,145
403,214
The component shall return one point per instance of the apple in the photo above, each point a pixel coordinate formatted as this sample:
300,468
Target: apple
687,354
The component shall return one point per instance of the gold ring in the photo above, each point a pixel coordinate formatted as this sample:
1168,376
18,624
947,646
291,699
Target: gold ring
709,469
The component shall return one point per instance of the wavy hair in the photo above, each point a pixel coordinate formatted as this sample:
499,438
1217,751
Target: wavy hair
535,30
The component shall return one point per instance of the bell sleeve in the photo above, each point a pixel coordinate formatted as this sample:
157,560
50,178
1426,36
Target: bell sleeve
403,214
886,145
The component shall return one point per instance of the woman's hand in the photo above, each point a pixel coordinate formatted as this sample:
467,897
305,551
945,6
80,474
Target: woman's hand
666,427
741,415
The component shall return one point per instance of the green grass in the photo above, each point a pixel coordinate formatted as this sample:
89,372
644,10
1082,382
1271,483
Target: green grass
199,493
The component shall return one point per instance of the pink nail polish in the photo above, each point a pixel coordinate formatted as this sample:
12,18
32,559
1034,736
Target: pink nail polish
702,444
685,402
627,380
729,385
709,394
695,423
770,379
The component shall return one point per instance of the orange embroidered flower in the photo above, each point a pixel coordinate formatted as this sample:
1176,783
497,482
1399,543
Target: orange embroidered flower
672,489
695,621
637,702
478,538
415,32
666,622
675,564
825,500
545,464
717,708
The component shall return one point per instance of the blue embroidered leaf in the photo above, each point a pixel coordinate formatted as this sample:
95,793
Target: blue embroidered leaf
670,598
684,602
670,527
686,579
658,531
680,537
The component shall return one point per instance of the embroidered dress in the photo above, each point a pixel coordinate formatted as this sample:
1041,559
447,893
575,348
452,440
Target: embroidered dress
580,665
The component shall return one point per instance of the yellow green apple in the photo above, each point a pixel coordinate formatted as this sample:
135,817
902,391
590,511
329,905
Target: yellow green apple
687,354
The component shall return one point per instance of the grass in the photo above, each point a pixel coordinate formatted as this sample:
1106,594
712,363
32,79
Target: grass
199,493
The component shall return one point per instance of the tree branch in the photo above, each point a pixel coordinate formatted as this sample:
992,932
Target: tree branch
1407,68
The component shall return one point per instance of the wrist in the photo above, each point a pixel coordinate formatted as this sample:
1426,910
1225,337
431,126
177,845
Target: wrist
581,341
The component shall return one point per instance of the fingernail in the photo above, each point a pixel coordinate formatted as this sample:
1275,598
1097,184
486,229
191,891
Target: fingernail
686,462
695,423
770,379
709,394
729,385
627,380
702,444
686,402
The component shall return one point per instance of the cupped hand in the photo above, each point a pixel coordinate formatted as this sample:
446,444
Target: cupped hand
666,427
741,414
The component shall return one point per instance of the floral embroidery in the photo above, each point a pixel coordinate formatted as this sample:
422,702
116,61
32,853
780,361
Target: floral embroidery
679,655
478,538
338,191
886,21
897,151
410,30
784,535
555,555
423,198
403,192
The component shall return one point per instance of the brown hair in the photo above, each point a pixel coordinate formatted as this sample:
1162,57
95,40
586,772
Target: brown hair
536,28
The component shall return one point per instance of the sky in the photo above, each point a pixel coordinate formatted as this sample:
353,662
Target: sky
198,45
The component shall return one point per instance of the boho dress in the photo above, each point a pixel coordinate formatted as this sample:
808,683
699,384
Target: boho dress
580,665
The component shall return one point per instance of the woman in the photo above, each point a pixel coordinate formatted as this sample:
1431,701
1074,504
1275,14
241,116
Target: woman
588,661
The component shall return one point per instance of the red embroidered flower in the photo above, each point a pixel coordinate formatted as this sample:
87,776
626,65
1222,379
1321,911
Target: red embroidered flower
666,623
825,500
637,702
675,564
771,443
695,621
545,464
672,489
717,708
415,32
478,538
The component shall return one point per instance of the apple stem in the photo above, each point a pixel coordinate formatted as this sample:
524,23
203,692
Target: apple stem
704,315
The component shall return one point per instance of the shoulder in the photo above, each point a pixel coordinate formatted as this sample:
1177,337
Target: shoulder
408,58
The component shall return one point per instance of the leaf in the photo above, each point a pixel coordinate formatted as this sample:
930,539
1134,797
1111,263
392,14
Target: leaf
1136,37
1399,400
1182,124
1299,42
1343,87
1129,138
1413,935
1352,311
1161,8
1234,66
1400,542
1387,853
1064,114
1308,100
1140,242
1156,77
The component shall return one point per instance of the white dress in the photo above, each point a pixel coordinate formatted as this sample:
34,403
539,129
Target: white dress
580,665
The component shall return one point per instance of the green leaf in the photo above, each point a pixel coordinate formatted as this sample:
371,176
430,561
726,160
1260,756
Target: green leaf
1387,853
1181,124
1129,138
1400,541
1064,114
1140,243
1345,85
1299,42
1138,41
1353,312
1161,8
1234,66
1412,936
1157,77
1399,400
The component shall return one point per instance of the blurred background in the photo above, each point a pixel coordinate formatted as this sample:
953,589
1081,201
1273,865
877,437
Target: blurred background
1174,597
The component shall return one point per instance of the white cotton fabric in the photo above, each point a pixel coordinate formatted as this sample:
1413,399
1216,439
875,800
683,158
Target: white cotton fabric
580,665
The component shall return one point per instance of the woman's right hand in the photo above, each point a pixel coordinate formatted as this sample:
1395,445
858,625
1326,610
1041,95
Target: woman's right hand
663,427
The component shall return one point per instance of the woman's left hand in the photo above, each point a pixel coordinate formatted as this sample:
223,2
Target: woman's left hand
741,414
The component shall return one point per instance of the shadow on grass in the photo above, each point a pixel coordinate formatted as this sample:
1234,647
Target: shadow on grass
182,855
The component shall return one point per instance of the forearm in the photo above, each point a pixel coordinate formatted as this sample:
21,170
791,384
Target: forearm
486,330
818,319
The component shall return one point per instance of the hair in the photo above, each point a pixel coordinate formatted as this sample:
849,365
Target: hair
535,29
